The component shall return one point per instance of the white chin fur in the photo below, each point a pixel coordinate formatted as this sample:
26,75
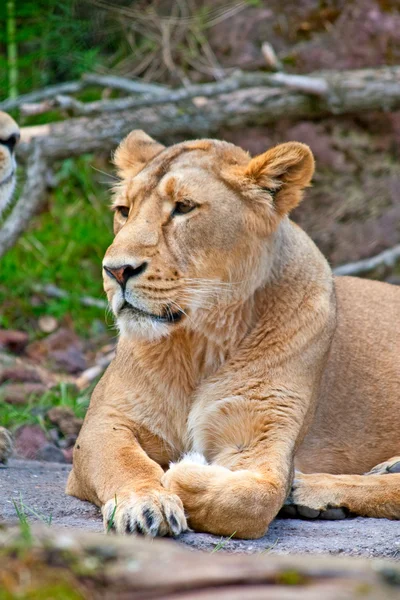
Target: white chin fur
142,327
136,326
194,458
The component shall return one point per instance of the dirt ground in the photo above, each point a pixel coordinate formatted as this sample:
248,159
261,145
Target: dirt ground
40,486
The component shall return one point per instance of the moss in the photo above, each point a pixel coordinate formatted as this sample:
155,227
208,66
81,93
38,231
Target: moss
291,577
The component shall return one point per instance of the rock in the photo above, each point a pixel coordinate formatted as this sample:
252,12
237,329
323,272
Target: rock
7,360
68,454
29,439
63,347
50,453
20,374
67,442
20,393
12,340
66,421
71,360
54,436
47,324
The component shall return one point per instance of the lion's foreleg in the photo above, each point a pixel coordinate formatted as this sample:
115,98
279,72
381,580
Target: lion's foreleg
375,494
250,444
113,471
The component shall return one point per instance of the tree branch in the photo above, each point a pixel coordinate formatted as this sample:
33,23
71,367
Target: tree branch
52,291
308,85
204,109
385,261
72,87
132,86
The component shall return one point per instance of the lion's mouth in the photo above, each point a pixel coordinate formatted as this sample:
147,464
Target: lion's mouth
8,178
169,317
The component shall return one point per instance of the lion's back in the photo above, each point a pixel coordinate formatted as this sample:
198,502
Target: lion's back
359,400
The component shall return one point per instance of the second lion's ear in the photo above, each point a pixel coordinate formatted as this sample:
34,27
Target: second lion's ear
282,172
134,152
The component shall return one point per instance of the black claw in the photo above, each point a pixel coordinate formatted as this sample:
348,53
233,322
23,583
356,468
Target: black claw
139,529
148,517
173,521
130,527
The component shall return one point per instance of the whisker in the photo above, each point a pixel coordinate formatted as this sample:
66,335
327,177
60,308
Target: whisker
180,309
105,173
200,280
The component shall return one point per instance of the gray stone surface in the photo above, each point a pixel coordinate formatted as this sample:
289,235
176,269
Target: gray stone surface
40,485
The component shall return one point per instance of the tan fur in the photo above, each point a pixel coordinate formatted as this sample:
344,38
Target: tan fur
273,363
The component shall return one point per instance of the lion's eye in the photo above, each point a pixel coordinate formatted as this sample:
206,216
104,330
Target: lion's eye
183,208
123,211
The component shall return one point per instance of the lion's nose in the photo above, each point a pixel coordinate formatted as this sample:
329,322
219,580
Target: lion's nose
10,142
124,272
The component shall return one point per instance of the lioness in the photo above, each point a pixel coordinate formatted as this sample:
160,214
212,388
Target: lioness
9,136
238,345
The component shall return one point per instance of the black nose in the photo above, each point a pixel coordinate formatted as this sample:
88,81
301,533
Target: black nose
122,274
11,141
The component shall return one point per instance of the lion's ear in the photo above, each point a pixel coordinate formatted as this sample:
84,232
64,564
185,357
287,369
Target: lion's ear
283,172
134,152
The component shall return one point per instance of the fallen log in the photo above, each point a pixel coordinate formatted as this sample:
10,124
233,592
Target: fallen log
195,111
46,562
246,100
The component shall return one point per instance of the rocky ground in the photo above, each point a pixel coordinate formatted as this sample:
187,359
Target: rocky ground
39,487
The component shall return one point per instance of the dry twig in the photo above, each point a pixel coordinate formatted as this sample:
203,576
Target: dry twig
385,261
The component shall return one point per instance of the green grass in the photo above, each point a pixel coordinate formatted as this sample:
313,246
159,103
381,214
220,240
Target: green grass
222,542
34,411
22,509
110,522
64,246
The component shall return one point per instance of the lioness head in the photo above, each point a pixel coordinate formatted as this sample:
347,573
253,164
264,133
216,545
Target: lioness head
9,136
195,226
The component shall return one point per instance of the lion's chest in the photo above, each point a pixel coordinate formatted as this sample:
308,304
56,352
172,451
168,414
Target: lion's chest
164,395
161,421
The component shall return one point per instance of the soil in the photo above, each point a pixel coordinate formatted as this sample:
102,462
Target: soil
40,486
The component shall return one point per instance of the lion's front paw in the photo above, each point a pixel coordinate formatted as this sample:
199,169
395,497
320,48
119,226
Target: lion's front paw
153,513
223,502
314,496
